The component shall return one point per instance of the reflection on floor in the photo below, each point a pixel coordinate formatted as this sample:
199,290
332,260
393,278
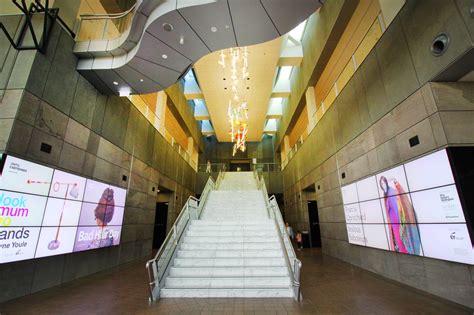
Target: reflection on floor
329,286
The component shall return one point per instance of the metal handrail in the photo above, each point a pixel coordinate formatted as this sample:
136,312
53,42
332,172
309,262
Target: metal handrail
191,210
273,211
122,26
108,15
219,179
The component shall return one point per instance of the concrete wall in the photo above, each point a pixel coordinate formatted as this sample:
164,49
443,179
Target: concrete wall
366,130
44,99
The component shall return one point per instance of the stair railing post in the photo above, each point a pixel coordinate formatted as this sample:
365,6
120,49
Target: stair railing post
296,280
175,235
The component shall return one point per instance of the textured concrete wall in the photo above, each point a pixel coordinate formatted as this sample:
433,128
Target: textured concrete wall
366,130
45,100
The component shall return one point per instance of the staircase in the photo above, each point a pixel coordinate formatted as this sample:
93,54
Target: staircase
234,250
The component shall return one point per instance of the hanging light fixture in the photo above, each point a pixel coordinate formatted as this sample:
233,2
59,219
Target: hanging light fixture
237,111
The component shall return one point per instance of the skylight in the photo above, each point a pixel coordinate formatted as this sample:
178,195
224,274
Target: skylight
190,77
297,32
276,101
284,73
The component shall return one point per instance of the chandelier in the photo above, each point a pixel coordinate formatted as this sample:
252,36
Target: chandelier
237,109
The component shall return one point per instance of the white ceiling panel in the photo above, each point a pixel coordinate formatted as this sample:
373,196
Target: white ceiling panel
278,10
182,38
154,50
251,22
213,24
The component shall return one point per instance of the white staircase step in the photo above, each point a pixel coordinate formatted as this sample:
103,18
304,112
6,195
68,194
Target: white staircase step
235,222
228,239
248,228
189,272
233,283
229,253
227,293
228,217
235,233
230,246
229,262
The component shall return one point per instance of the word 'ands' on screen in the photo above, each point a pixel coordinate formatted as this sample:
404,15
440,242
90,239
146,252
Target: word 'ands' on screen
46,212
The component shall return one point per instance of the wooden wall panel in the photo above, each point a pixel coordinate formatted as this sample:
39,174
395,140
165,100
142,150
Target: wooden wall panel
359,24
174,128
300,128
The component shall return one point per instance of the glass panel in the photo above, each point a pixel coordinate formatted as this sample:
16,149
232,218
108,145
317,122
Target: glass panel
91,29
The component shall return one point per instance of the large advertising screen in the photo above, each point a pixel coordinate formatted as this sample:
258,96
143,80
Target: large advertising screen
46,212
412,209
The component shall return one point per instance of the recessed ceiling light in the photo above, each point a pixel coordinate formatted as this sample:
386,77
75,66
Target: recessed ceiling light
115,83
164,56
227,26
213,29
168,27
141,80
181,40
124,92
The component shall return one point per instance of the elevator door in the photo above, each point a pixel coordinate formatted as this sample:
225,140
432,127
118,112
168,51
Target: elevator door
161,218
314,224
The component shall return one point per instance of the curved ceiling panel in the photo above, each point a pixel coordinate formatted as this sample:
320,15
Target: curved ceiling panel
168,36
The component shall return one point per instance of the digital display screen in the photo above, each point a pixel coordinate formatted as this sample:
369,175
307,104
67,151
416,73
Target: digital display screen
46,212
413,209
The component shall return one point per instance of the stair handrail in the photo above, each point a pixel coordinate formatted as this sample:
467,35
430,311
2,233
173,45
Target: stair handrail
274,213
219,179
158,265
126,16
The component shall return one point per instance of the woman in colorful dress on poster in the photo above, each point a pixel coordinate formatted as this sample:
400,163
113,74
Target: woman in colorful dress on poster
401,218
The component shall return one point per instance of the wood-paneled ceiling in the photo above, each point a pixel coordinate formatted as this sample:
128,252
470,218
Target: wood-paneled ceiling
215,84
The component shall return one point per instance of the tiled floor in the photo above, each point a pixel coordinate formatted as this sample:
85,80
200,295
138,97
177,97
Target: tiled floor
329,287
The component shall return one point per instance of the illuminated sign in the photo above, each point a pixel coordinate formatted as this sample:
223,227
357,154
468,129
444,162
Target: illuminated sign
45,212
412,209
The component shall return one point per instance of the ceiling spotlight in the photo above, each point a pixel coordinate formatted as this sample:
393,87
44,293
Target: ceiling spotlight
168,27
124,92
227,26
115,83
181,40
164,56
213,29
141,80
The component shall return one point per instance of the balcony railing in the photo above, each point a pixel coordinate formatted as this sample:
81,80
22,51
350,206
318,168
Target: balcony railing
105,26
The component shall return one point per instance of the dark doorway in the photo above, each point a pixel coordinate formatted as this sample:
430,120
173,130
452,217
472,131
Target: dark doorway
314,224
161,218
240,165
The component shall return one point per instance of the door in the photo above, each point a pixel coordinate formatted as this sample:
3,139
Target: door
161,218
315,231
240,166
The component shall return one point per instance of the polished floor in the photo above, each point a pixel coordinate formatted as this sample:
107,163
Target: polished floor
330,286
